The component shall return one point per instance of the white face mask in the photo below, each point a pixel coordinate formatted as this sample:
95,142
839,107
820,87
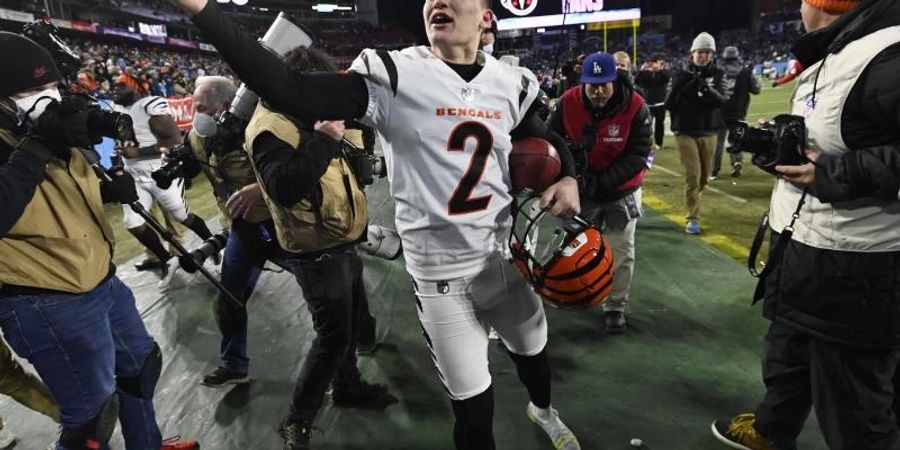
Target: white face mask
35,105
205,125
489,49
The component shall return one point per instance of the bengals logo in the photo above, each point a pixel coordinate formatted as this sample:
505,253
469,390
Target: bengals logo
520,7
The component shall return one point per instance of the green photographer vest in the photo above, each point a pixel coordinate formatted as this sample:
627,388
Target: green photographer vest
340,219
63,240
227,174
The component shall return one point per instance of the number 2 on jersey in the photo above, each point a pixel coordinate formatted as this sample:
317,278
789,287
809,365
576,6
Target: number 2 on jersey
462,202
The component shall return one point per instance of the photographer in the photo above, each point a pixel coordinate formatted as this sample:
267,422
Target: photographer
832,284
320,214
154,127
61,305
612,123
694,98
653,79
740,83
253,237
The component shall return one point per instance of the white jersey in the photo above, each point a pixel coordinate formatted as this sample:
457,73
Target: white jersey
447,145
141,112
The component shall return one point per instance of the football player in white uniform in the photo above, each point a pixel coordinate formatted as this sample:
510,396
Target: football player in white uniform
446,115
154,127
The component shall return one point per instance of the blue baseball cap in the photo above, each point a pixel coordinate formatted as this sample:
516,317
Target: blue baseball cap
598,68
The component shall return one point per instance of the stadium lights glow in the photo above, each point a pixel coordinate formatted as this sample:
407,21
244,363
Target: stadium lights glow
236,2
328,7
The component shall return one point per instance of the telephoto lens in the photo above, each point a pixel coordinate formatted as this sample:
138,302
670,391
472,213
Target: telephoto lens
210,247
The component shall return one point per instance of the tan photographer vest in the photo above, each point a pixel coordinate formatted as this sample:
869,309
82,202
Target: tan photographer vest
227,174
340,219
63,240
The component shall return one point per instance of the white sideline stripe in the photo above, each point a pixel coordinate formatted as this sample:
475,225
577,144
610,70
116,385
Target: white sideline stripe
708,187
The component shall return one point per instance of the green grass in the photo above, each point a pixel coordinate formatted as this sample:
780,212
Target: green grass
728,225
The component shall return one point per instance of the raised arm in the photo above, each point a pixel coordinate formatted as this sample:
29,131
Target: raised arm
311,97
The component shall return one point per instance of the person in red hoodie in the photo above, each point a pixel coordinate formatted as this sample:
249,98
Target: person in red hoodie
611,123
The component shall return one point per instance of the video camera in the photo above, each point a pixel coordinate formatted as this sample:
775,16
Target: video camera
779,142
99,122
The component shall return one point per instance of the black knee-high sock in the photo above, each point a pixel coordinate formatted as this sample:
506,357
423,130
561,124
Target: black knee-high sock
474,427
149,239
198,226
534,371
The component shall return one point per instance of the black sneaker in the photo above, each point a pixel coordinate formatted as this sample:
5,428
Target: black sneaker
223,377
368,340
294,435
359,395
615,322
736,169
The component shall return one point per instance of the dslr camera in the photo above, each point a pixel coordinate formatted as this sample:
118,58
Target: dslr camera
99,122
365,163
173,169
779,142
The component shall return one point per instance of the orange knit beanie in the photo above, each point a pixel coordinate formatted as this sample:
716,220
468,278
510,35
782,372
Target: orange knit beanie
834,6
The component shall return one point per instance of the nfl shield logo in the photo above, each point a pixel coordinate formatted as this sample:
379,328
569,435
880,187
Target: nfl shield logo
468,94
809,108
614,130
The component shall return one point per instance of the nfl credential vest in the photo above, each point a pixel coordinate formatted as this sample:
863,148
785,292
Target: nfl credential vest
863,225
62,241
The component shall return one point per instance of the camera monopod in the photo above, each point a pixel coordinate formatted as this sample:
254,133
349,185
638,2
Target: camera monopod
184,255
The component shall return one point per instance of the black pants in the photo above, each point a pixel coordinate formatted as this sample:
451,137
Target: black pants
333,286
852,391
659,123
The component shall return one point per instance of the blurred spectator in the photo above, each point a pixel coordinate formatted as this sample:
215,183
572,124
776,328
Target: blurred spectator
739,84
653,79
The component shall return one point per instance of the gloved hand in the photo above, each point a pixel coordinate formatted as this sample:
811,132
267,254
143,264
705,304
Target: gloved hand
702,87
60,128
121,188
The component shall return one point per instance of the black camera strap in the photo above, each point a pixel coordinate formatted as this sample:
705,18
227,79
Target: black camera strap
776,252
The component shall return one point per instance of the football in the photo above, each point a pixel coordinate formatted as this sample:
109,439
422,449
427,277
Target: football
534,165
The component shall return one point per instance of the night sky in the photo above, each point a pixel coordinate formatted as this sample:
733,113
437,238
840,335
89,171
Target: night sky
689,15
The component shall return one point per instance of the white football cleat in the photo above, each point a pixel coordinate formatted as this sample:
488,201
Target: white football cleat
561,436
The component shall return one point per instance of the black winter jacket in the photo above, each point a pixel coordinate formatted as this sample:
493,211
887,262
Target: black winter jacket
850,298
739,84
695,96
654,85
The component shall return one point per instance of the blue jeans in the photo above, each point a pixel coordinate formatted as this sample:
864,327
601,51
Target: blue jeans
241,267
79,344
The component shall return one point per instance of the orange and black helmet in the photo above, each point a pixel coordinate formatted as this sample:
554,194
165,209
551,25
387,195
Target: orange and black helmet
573,269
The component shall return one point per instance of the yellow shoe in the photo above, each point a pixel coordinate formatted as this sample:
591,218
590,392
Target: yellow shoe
740,432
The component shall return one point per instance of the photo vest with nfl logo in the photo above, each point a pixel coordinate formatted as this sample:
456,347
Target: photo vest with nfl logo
610,126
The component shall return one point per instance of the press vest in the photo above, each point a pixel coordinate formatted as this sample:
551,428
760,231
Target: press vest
62,241
862,225
228,174
612,132
340,219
